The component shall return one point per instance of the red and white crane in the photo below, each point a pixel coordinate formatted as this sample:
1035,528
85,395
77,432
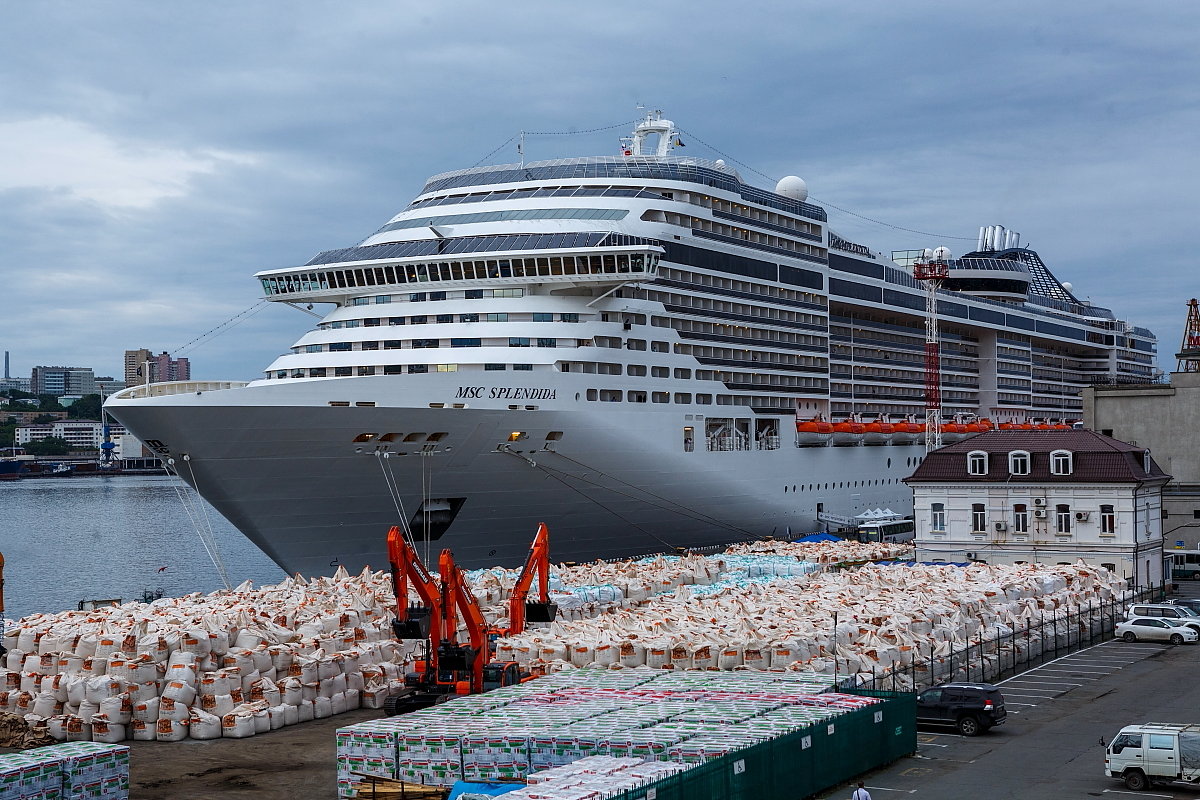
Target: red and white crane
931,269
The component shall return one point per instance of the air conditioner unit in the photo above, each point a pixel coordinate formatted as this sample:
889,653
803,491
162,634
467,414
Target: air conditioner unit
1001,526
1039,513
1039,501
1081,516
970,556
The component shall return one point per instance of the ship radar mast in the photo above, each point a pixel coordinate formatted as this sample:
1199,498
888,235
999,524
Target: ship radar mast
652,125
1189,351
932,269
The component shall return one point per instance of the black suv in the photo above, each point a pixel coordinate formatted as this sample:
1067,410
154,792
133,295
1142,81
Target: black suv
970,707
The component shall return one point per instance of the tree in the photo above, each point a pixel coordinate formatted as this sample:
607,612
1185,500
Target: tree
8,430
48,402
44,419
86,407
50,446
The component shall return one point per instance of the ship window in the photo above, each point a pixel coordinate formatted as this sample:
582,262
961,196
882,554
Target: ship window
660,372
340,403
438,295
541,317
371,322
977,462
554,436
317,372
419,319
437,437
343,372
497,317
704,399
391,437
366,370
547,342
636,370
447,367
461,343
683,397
393,344
393,369
468,318
395,320
473,294
683,373
362,301
518,341
592,394
364,437
525,367
383,298
339,347
568,317
424,343
660,397
443,319
494,367
610,395
417,369
417,297
415,437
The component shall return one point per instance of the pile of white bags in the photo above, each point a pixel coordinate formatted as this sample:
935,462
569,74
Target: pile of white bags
228,664
886,616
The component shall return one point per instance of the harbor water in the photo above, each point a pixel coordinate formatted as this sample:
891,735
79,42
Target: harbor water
71,539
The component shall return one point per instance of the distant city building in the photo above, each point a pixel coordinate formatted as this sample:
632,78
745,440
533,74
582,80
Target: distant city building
20,384
107,386
26,417
62,380
77,432
1164,417
162,367
1006,497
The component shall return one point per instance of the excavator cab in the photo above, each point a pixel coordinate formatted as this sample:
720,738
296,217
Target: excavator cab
499,673
453,657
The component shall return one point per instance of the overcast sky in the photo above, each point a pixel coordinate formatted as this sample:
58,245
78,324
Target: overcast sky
153,156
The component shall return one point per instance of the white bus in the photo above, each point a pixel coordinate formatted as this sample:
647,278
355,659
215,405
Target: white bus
895,531
1185,564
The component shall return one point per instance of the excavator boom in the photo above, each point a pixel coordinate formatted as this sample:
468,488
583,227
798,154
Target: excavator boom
413,622
537,564
457,596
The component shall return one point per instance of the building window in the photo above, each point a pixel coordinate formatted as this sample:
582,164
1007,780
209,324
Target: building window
977,462
1060,462
1018,462
978,517
1108,520
1146,462
937,517
1020,518
1062,518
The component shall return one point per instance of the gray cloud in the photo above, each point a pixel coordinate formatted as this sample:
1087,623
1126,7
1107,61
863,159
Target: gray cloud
254,136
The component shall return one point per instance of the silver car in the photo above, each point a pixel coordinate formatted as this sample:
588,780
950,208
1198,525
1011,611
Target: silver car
1156,629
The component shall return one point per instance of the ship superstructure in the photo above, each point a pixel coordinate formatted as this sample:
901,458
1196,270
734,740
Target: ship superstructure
620,345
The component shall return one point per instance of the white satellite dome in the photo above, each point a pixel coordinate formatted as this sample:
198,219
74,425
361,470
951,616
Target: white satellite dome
1067,285
941,253
792,187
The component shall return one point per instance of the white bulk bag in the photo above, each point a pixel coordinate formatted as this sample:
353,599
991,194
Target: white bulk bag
107,731
202,725
171,730
169,708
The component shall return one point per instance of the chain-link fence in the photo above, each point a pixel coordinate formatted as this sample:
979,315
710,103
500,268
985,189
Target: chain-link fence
1008,651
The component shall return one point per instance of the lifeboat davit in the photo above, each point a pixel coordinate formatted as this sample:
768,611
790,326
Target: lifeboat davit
849,432
907,432
878,431
813,432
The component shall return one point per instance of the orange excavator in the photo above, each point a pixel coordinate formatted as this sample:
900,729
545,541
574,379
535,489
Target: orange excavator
450,667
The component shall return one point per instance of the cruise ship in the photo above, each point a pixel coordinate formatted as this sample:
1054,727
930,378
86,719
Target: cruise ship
625,347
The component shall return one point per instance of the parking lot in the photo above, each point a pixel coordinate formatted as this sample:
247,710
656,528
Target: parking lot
1049,746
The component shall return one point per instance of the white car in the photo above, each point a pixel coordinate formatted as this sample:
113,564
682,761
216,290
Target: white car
1156,629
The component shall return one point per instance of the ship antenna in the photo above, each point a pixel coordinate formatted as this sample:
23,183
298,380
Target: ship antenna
521,149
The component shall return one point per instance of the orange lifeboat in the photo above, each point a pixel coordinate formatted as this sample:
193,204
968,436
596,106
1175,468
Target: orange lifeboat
1043,426
906,431
1061,425
813,432
986,423
848,432
953,431
1016,426
878,431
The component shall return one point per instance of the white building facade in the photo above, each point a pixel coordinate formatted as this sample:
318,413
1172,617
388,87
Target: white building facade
77,432
1006,497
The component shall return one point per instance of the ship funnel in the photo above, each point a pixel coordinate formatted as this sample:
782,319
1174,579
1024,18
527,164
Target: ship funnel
982,237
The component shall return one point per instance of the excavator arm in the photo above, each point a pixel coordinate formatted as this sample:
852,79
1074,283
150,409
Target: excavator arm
413,622
537,564
457,596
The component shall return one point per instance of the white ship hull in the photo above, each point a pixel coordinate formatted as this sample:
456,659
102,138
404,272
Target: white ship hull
617,483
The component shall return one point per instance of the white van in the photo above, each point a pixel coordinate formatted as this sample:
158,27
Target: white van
1156,752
